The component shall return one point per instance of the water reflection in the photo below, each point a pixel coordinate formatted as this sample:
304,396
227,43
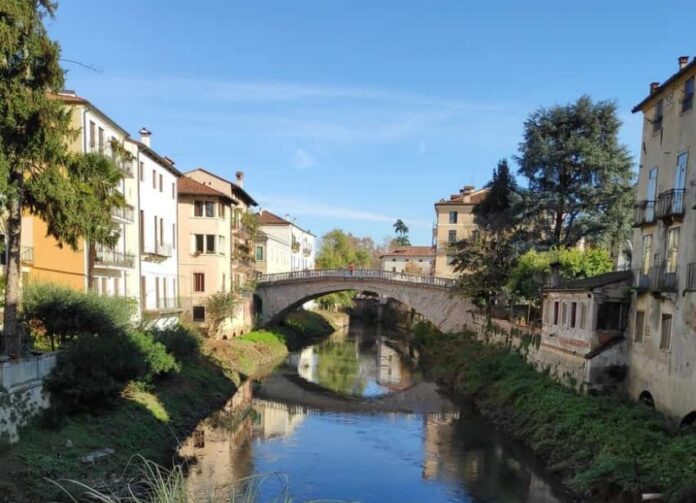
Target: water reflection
439,457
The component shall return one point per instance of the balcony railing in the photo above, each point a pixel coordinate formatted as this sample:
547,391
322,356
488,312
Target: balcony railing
643,213
670,204
642,280
659,278
126,213
26,254
160,249
166,304
114,258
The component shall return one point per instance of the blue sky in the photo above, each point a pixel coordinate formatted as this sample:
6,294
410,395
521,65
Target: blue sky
354,113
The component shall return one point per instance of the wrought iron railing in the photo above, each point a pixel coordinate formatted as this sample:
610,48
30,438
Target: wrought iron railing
357,274
114,258
671,203
643,213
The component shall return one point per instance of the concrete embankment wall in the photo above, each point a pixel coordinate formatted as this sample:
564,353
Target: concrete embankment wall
21,392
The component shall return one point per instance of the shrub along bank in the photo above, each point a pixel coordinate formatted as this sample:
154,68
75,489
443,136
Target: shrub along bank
601,446
118,391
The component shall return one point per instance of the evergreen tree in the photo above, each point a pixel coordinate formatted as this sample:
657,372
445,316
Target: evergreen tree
401,230
579,175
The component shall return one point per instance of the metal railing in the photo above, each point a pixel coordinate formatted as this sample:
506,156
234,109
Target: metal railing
161,249
642,280
659,278
357,274
114,258
125,213
671,203
643,213
167,303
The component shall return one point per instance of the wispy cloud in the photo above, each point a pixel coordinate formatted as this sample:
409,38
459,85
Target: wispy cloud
303,207
303,159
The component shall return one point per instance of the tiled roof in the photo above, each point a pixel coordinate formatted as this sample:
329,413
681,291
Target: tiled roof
594,281
164,161
268,218
190,187
459,199
690,66
235,188
411,251
71,98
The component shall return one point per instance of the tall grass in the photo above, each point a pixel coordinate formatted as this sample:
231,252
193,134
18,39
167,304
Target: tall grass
149,482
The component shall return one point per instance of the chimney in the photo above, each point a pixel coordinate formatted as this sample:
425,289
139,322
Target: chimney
466,190
240,178
555,274
145,136
683,61
654,86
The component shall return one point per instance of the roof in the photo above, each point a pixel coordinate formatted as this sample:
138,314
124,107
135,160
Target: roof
594,281
70,98
190,187
235,188
411,251
687,68
268,218
472,198
167,163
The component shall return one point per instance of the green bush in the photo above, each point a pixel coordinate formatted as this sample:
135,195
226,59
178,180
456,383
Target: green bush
93,369
61,313
182,342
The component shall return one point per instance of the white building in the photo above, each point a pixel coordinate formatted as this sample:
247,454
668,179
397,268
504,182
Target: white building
157,238
410,259
282,246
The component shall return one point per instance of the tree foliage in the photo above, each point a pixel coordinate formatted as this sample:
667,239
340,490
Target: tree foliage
339,249
578,174
531,270
401,230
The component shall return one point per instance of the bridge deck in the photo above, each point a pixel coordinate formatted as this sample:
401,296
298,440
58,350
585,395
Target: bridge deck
356,274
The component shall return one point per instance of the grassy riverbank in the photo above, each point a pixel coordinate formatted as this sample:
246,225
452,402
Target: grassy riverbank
149,419
601,446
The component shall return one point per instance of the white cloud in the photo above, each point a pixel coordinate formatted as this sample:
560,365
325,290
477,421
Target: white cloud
303,159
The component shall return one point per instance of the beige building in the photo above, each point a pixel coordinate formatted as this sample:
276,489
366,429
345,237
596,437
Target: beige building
454,222
238,244
662,357
410,259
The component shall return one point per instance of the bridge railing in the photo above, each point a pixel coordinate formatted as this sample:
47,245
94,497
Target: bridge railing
358,274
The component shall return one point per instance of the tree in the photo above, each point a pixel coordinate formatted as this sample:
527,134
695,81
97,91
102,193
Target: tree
579,176
401,230
32,135
485,259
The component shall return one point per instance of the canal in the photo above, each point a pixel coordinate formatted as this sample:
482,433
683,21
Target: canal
351,419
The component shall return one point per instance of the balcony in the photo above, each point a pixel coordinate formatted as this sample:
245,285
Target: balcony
670,204
166,304
112,258
658,279
126,214
157,251
643,213
642,280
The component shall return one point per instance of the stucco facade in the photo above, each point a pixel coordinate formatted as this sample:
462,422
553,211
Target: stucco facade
663,317
282,246
410,259
454,222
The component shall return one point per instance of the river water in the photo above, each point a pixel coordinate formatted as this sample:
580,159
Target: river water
350,419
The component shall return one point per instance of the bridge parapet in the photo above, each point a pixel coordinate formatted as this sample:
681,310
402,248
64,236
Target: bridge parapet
356,274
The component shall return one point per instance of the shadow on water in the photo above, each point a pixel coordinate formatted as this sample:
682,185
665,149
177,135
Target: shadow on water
350,419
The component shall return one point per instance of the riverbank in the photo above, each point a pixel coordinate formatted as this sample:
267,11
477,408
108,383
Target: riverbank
602,447
147,419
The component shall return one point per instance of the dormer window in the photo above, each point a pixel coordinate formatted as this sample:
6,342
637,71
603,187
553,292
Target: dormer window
688,100
657,118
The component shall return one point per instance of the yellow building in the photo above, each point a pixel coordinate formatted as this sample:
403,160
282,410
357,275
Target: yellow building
454,222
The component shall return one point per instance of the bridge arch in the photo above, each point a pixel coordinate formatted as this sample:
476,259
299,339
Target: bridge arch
432,297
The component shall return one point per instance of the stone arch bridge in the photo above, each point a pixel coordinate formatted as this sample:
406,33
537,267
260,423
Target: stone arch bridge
433,297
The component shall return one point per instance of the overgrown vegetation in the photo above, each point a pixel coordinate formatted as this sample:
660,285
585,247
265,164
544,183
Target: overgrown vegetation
600,445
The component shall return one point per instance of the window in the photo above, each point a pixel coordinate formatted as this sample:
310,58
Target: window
453,217
548,308
210,243
157,293
101,140
198,282
640,326
198,313
92,135
583,315
221,210
154,179
224,278
161,231
173,190
117,287
259,253
199,243
198,208
221,244
672,249
555,312
141,171
666,332
647,255
174,236
573,314
564,314
452,236
657,117
209,209
688,100
161,183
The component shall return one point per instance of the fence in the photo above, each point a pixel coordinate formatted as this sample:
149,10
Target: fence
357,274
